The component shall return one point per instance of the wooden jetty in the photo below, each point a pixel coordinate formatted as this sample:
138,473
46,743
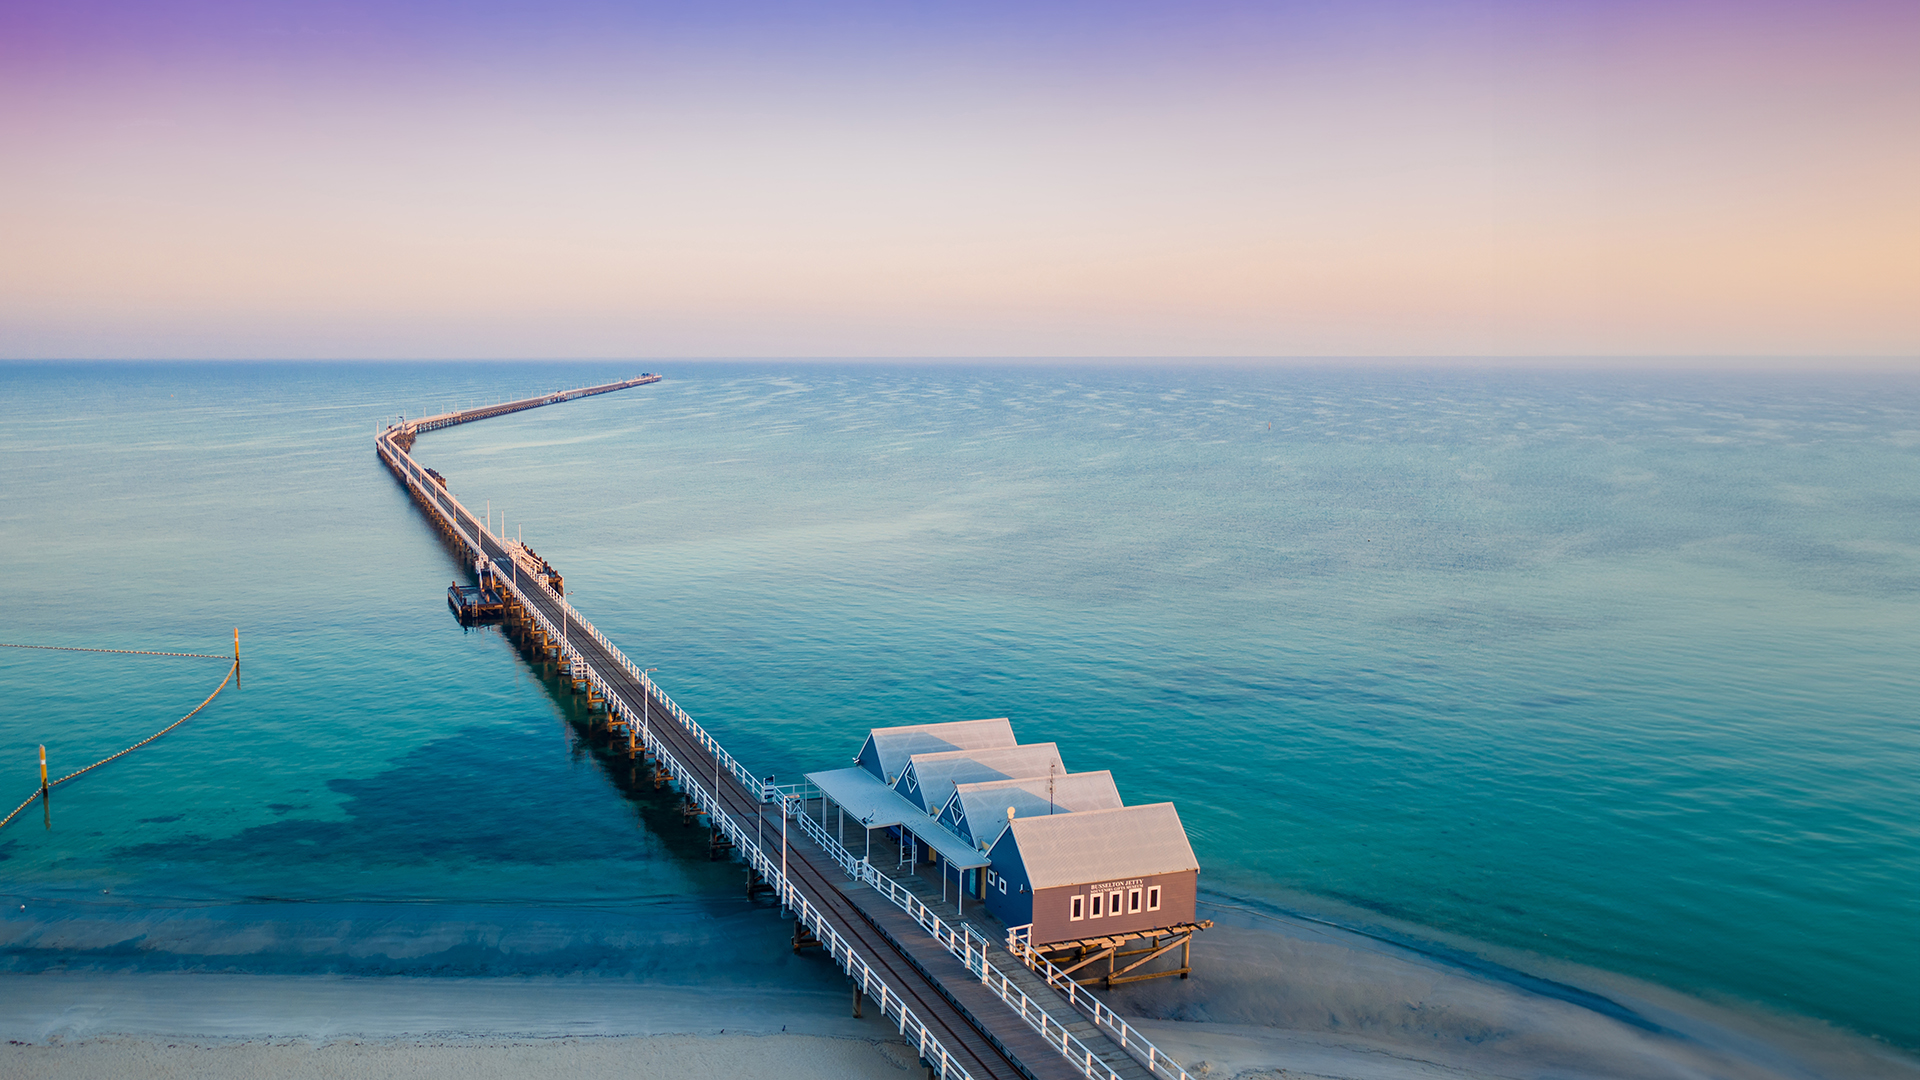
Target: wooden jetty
973,1011
403,434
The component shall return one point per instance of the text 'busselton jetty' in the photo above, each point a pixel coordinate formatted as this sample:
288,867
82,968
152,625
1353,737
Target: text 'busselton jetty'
1060,871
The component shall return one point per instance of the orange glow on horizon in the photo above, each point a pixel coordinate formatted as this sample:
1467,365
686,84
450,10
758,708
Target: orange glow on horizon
1450,208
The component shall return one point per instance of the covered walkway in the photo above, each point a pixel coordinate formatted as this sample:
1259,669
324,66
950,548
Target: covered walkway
855,794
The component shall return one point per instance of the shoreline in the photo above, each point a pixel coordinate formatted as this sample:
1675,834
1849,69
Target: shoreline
1275,992
1278,989
1273,996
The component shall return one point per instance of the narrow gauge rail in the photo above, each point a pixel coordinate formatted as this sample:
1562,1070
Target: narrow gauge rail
954,1046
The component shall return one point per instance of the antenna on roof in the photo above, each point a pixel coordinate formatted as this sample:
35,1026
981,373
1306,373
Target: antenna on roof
1049,789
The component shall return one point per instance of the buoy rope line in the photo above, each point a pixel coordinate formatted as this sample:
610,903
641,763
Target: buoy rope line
46,787
123,652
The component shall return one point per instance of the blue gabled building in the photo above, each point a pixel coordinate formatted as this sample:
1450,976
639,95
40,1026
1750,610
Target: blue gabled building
1097,874
978,812
929,779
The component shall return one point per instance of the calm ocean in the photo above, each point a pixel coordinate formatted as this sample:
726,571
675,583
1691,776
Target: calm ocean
1619,670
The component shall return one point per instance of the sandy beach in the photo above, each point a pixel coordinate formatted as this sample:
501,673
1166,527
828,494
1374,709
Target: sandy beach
800,1057
92,1024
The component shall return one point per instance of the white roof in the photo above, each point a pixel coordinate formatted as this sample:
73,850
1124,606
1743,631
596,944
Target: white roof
861,796
878,806
934,775
984,805
894,745
1102,845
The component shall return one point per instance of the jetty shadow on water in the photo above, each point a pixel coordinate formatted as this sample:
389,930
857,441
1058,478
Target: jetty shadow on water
660,808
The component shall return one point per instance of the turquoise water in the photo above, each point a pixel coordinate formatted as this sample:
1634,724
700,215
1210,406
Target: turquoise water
1614,669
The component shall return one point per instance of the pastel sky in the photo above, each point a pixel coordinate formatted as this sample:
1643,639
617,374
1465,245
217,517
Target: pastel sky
576,178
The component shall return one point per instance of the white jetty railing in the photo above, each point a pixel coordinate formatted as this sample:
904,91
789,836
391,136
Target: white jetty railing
892,1004
1020,944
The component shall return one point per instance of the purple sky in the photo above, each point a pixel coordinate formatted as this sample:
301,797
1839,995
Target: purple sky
601,179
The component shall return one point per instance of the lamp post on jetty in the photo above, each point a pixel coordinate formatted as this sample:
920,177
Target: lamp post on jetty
646,703
759,816
783,853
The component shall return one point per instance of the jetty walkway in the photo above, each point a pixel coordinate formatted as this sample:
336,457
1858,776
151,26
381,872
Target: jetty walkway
938,982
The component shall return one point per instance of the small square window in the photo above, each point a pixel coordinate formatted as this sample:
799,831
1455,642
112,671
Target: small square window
1003,886
1079,908
1153,898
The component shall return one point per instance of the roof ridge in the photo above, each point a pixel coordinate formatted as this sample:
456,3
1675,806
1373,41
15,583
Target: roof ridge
1083,814
978,785
954,755
938,723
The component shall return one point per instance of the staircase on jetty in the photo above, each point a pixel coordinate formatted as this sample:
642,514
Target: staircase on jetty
973,1011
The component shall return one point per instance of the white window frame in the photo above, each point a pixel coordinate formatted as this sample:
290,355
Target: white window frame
1133,901
1116,903
1093,909
1153,898
1077,909
1003,885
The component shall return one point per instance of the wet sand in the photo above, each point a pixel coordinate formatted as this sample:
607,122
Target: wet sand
99,1024
1280,995
792,1057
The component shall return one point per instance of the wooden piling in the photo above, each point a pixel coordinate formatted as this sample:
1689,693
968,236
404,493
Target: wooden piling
803,938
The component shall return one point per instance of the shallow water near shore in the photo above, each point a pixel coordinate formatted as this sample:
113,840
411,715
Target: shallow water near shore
1611,671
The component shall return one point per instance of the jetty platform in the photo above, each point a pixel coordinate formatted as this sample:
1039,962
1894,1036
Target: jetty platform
973,1008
